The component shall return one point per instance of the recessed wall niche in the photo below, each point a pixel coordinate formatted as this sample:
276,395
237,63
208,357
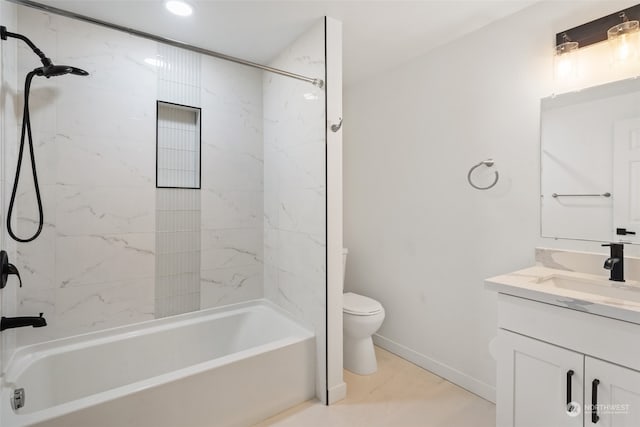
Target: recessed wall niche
178,145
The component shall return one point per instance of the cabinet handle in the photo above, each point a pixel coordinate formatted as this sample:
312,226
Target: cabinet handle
594,401
569,399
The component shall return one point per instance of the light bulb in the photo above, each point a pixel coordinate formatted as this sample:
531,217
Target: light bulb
623,40
623,50
566,66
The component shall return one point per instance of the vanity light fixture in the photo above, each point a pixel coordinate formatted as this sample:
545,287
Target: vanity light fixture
621,29
566,58
624,38
179,8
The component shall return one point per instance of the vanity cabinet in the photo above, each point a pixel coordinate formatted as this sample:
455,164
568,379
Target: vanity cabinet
535,379
618,394
549,356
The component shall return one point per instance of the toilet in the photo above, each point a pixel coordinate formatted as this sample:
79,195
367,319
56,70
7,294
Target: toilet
362,317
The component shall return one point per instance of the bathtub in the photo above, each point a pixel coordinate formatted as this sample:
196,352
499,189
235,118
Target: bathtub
230,366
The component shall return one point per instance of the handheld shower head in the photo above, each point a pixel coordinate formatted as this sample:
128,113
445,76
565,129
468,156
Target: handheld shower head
79,72
47,70
59,70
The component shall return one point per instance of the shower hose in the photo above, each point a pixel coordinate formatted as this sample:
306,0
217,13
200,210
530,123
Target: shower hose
26,135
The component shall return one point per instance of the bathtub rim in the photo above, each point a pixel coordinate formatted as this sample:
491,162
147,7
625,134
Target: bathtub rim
25,354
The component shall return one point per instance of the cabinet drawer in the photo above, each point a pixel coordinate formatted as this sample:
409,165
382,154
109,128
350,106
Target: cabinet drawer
601,337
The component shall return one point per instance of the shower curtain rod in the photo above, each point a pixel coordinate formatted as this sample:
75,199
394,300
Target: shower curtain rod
316,82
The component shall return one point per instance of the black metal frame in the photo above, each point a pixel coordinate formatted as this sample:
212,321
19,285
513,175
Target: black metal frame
326,223
199,110
596,30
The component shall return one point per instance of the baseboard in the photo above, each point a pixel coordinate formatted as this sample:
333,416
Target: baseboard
465,381
337,393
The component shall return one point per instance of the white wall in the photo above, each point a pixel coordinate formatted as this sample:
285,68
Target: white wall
295,189
336,387
421,240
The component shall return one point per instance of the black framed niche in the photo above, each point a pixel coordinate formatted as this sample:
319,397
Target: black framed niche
178,146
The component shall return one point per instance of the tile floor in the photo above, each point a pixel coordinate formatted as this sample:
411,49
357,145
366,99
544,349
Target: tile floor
400,394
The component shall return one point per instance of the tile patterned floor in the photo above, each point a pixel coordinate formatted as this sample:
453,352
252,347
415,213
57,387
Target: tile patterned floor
400,394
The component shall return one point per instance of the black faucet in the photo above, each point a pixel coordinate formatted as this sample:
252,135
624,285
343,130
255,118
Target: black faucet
18,322
615,262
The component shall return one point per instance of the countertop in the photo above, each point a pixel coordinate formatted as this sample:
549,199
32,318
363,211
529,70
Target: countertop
529,283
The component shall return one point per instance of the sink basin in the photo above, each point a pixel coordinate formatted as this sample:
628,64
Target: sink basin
600,287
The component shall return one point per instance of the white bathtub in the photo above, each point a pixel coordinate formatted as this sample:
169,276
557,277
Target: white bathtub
230,366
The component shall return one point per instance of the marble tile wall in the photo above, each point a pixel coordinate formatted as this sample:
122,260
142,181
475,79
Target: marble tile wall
232,183
97,262
8,151
94,264
294,188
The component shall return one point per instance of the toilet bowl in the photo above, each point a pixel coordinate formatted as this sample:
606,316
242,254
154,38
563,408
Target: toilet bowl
362,317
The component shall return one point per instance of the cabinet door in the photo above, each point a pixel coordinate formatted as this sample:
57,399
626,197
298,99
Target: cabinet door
615,393
533,382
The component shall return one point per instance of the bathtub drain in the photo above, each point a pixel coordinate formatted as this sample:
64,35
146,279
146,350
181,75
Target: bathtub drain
17,401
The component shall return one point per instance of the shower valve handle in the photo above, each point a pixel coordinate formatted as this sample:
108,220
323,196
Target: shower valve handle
6,268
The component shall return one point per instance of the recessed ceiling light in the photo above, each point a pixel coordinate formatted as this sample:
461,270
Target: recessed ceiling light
179,8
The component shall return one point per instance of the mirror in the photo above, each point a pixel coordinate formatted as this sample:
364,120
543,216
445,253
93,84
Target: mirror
590,163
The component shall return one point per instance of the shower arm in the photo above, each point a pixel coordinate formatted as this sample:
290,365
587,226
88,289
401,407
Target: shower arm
4,34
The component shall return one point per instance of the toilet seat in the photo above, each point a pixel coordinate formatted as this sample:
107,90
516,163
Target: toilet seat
360,305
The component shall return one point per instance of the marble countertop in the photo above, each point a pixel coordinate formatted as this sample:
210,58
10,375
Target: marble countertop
534,283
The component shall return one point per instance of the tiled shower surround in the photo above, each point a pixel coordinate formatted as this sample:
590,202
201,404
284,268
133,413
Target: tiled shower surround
295,189
115,250
8,154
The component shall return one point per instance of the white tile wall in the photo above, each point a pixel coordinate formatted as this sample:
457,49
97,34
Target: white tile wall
8,153
178,224
179,75
114,250
294,189
178,146
93,265
178,211
232,189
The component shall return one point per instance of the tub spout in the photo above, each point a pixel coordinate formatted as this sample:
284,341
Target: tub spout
18,322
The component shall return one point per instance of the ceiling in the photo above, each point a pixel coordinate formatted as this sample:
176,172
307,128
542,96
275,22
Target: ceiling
377,35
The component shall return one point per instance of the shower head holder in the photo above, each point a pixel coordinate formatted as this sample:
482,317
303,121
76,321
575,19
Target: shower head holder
4,34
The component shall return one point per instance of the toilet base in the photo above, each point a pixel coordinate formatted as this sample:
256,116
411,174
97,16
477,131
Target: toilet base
359,355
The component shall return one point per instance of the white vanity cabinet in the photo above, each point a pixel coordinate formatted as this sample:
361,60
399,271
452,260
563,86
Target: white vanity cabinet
549,355
535,379
617,392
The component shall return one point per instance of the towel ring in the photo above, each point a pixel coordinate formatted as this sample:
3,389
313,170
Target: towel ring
488,163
